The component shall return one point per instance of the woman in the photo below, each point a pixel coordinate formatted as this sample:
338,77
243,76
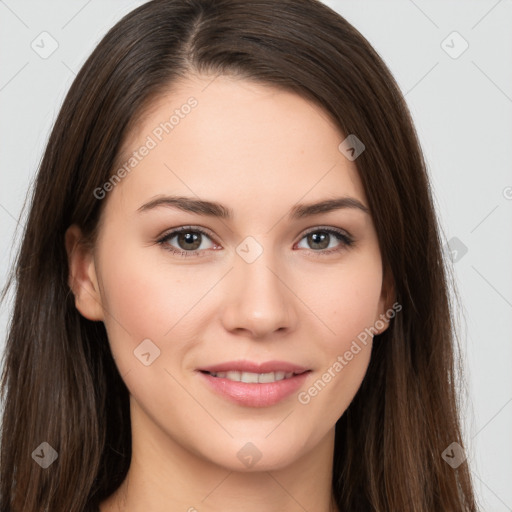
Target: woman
230,293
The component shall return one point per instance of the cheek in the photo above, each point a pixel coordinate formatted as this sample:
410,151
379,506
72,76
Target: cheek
356,306
141,301
349,307
346,298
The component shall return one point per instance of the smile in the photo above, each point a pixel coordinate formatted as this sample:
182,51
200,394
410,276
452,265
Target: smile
252,384
253,378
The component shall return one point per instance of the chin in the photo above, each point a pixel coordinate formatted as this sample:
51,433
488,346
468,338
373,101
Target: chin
258,454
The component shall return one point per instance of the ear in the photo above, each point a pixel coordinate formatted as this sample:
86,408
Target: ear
82,275
387,299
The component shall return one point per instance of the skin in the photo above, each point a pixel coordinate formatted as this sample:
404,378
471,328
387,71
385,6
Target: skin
258,151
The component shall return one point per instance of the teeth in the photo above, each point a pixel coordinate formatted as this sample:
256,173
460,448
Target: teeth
267,377
253,378
233,376
249,378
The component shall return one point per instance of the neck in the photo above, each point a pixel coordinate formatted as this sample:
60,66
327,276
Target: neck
165,476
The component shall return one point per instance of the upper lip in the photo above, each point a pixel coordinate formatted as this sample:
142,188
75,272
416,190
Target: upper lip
253,367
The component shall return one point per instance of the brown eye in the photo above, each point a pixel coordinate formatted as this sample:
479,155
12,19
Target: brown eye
189,240
322,240
186,241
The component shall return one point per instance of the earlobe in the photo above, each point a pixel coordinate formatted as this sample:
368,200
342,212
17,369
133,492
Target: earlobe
82,277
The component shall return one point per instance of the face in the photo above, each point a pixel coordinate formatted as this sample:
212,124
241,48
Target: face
240,336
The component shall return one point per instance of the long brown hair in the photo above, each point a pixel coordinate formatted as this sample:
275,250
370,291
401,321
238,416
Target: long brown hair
60,384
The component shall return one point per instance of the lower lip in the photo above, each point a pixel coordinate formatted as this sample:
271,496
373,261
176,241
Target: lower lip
255,395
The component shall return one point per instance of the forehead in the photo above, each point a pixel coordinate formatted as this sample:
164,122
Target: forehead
238,140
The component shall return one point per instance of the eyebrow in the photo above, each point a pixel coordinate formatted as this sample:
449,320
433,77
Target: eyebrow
214,209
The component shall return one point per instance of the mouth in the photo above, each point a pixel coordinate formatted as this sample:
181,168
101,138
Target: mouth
254,384
254,378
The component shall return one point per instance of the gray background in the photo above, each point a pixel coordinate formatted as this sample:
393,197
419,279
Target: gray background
461,104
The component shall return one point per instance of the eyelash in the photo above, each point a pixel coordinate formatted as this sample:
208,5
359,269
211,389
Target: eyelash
347,240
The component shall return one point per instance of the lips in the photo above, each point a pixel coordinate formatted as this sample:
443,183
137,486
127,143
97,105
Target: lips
254,384
253,378
251,367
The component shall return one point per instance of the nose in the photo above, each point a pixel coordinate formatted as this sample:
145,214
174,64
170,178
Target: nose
259,300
